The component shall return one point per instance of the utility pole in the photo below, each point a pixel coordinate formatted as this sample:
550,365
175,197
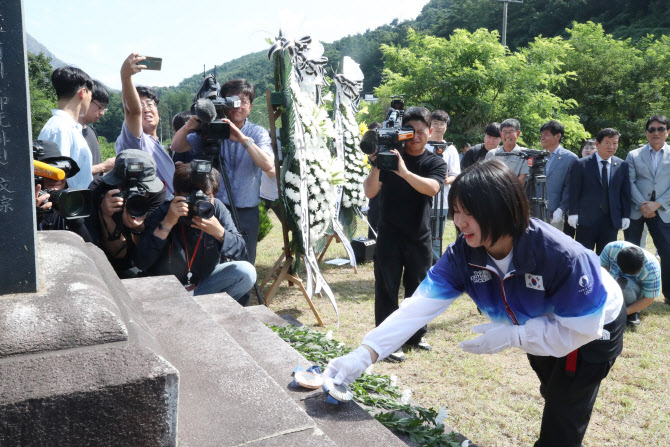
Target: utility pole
504,26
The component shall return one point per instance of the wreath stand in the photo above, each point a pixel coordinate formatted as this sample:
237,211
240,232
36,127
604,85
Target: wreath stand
282,269
330,239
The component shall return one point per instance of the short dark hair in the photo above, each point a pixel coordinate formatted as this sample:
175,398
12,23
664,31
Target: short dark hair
147,92
554,127
100,93
236,87
493,130
417,114
494,196
660,118
68,80
185,183
511,122
375,125
180,119
441,115
630,260
607,132
589,141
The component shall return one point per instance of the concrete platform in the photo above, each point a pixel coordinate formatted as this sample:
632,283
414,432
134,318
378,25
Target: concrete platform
226,398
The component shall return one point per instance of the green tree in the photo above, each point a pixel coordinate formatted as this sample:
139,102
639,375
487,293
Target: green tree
42,94
617,84
477,81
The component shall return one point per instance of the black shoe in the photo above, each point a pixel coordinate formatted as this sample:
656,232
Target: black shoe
633,320
396,357
422,344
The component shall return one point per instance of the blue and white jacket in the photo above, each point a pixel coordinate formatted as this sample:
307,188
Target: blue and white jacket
555,291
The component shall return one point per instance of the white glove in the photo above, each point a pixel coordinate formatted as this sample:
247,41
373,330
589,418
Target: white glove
557,217
572,221
625,223
495,337
348,368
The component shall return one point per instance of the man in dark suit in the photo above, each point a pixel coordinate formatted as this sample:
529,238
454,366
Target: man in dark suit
650,187
556,170
600,194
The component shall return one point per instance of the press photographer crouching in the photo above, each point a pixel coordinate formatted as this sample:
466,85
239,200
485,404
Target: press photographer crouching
59,208
123,198
406,183
193,237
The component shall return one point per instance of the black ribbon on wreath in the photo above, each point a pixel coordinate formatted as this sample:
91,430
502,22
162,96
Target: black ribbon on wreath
350,89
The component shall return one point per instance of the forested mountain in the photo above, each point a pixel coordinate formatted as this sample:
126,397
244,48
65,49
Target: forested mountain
622,19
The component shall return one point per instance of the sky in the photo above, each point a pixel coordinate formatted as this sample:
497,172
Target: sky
97,35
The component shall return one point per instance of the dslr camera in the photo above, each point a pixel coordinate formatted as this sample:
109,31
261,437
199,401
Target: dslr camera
390,136
133,194
198,202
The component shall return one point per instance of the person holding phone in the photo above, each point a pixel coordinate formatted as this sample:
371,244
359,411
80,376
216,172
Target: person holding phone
542,292
140,125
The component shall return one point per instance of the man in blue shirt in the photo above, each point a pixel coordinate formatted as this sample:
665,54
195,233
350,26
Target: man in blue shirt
638,273
245,155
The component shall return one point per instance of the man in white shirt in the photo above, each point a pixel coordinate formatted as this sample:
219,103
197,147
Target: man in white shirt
449,154
73,90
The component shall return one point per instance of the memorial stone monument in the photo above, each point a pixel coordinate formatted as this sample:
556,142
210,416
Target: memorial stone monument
18,263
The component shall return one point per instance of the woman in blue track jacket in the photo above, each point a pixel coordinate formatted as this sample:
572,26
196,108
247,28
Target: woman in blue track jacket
542,292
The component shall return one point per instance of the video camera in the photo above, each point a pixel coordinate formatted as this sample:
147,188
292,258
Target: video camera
133,194
536,159
68,203
390,136
439,147
210,108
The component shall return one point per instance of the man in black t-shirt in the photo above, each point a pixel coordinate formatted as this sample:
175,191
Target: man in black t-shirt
477,152
404,239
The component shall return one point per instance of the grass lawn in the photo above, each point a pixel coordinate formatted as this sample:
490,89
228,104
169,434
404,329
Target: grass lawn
492,399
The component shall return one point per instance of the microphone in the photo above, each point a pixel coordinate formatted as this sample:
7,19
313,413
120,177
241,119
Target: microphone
205,110
44,170
369,142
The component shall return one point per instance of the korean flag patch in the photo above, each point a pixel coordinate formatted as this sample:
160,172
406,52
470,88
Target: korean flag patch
534,282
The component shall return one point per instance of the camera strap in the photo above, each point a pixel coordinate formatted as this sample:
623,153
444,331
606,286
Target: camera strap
189,275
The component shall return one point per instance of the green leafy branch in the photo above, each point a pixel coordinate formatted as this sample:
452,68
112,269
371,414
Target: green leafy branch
372,390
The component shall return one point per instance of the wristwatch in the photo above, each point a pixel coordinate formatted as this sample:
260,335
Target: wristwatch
248,143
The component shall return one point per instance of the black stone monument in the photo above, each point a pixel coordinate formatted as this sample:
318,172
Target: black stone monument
18,241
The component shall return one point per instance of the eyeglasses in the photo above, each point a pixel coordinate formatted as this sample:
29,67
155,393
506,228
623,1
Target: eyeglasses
660,129
102,108
439,123
148,104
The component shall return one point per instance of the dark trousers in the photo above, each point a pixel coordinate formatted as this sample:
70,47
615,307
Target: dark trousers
395,259
567,229
660,234
569,399
249,223
597,234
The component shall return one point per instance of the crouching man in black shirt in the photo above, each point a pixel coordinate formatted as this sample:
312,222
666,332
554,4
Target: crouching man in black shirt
404,239
196,249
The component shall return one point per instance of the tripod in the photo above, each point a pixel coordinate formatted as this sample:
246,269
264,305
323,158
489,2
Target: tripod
211,150
536,182
437,220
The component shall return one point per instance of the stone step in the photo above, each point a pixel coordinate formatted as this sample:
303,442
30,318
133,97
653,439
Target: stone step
225,397
346,425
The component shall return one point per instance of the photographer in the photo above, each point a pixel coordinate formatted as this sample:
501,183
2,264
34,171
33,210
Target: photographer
404,239
246,154
122,199
49,217
183,242
140,124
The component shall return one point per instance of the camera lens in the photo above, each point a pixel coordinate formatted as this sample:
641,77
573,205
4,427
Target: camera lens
137,205
72,203
205,209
